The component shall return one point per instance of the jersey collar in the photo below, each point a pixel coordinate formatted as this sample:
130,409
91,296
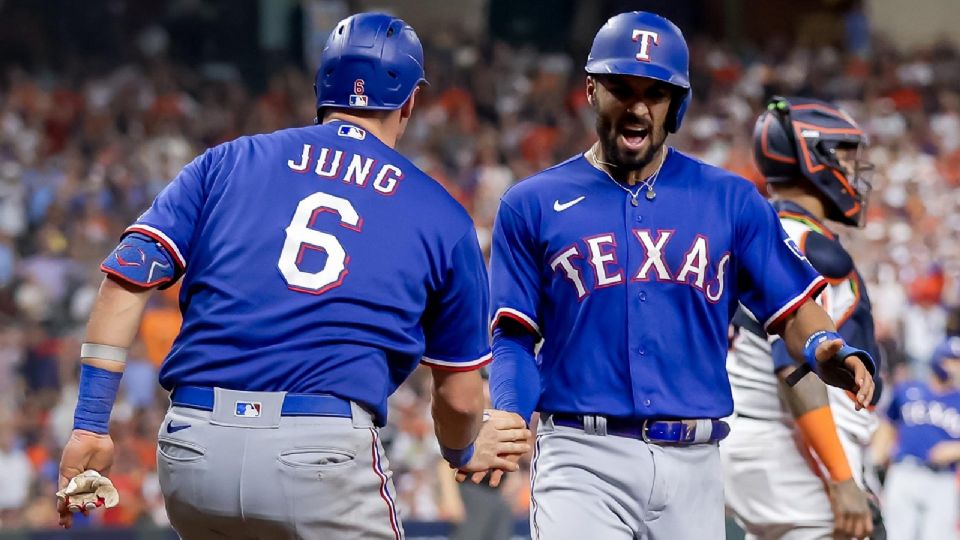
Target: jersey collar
793,211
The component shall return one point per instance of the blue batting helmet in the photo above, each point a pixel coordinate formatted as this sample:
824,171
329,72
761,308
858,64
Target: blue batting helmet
644,45
370,61
950,348
798,138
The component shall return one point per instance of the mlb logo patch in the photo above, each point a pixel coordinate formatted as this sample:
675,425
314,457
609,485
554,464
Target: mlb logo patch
795,249
357,100
249,409
352,132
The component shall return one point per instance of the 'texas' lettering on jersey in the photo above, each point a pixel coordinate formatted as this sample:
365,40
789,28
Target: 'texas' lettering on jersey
349,168
598,252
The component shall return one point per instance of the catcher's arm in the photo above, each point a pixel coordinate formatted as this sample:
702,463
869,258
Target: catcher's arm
809,405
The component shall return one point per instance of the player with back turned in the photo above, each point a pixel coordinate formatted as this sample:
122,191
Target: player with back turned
319,266
629,261
812,156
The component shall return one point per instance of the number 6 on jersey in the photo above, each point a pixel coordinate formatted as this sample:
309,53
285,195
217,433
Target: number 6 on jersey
301,237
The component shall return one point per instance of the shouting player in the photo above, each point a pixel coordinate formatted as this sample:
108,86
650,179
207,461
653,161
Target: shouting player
629,261
319,266
811,154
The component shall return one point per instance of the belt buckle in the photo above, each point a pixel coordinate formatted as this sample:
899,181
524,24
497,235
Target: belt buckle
645,431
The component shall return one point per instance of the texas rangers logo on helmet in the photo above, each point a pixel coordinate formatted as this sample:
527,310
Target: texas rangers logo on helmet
644,37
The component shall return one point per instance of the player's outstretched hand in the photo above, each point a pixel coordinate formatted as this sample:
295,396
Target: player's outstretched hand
84,451
850,375
852,517
503,439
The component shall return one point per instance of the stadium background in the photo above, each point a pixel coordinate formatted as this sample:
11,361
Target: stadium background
102,101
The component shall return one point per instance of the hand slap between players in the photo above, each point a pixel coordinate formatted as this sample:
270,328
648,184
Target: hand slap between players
851,374
502,440
84,451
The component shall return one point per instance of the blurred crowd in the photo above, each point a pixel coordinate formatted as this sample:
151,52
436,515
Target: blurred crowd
82,155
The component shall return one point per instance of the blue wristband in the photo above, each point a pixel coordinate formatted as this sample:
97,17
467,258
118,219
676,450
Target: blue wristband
98,391
457,458
810,347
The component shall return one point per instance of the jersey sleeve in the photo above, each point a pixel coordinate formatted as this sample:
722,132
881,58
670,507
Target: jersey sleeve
514,270
775,277
455,322
172,218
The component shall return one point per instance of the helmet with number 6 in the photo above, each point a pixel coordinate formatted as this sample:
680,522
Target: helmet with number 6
370,61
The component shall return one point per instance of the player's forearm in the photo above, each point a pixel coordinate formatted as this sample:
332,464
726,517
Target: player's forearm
945,453
807,395
804,322
457,407
514,378
810,406
884,440
113,325
115,320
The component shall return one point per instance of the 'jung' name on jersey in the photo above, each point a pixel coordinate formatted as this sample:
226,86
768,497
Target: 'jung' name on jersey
601,256
350,168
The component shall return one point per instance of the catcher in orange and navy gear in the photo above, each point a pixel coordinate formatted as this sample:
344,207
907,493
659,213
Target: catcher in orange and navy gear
796,464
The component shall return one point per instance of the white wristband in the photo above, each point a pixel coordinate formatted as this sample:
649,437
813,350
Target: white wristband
103,352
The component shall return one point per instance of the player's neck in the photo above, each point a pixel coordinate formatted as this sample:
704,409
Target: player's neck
627,176
387,130
797,195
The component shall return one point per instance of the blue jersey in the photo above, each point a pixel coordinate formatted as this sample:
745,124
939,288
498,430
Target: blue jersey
318,259
923,418
633,302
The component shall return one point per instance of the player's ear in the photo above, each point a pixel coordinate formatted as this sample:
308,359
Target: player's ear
407,108
591,90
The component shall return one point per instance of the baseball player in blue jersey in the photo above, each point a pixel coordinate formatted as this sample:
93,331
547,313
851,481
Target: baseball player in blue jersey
795,464
319,266
629,261
921,499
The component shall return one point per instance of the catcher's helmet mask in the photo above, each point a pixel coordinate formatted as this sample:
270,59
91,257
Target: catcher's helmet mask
798,138
642,44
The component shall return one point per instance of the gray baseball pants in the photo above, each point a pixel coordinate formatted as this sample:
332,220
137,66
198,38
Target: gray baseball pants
920,503
605,487
274,477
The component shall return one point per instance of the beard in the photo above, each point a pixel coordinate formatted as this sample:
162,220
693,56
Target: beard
619,155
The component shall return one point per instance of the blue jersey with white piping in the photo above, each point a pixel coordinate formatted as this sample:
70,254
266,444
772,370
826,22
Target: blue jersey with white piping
633,302
318,259
923,418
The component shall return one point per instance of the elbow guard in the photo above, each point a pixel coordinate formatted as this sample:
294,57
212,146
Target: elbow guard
140,261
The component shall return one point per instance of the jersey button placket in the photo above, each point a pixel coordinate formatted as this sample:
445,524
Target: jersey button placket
637,319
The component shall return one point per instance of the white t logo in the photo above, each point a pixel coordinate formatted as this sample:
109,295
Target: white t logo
644,37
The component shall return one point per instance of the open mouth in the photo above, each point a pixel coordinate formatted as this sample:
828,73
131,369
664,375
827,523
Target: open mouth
633,137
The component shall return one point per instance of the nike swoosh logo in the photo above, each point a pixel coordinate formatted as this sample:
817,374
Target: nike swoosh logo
173,429
560,207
